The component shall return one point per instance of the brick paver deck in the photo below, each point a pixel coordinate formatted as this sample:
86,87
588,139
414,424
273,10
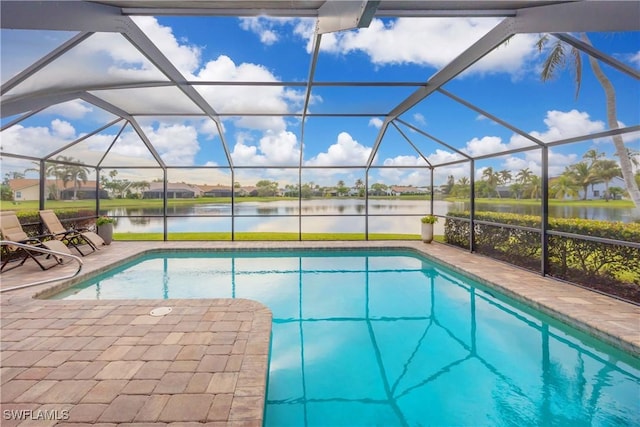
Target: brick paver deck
111,363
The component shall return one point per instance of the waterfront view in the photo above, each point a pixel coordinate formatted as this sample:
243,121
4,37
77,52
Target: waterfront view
335,215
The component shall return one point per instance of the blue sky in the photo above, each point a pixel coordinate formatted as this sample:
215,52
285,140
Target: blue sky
505,83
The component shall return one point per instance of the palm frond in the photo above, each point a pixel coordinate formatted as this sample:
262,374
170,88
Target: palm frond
542,41
578,69
555,60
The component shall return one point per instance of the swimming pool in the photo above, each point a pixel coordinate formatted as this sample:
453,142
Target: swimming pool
391,338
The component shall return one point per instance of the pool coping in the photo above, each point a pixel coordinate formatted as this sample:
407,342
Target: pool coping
42,340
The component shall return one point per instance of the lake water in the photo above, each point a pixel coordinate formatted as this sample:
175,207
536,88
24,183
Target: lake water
327,215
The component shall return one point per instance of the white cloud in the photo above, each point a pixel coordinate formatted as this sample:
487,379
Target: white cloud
263,27
635,59
558,162
376,123
560,125
185,57
274,148
254,99
37,141
431,42
177,144
345,152
404,161
442,156
418,176
62,129
76,109
485,145
419,118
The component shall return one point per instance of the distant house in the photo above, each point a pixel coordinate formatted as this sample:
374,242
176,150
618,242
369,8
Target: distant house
28,189
246,191
504,191
82,193
174,191
216,190
399,190
597,191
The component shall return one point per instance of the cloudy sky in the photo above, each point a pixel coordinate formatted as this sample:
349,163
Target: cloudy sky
505,83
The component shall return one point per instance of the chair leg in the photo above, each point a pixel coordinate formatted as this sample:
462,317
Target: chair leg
27,255
4,264
69,241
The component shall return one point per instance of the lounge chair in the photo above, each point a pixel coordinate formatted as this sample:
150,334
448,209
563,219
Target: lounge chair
71,237
11,230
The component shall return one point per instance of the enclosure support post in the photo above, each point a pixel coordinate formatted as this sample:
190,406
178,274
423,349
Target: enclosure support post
41,191
300,201
472,205
544,217
366,204
43,184
97,191
164,204
431,200
233,204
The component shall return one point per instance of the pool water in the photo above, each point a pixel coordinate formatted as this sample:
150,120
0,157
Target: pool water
386,338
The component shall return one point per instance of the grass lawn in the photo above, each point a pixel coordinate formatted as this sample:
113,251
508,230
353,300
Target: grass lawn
622,204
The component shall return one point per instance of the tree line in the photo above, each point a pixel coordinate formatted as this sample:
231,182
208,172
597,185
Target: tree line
594,168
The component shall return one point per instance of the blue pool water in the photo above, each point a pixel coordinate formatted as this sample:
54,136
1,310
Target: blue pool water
386,338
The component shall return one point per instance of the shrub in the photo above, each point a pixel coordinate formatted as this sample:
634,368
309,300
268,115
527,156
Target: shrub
607,267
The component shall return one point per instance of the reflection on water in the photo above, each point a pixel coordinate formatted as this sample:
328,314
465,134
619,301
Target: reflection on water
555,211
138,219
387,338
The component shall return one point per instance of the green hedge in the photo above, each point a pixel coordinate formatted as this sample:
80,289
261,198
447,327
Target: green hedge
610,268
32,225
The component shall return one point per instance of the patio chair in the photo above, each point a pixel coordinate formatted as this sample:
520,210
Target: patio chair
12,231
71,237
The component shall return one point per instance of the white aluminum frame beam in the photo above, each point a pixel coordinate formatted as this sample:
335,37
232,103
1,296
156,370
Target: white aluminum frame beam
591,15
60,15
340,15
594,15
44,61
101,103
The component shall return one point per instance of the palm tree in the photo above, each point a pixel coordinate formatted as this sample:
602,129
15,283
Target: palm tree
505,176
556,60
593,156
524,176
461,188
359,187
492,178
516,190
563,186
77,174
614,192
606,170
583,176
534,189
